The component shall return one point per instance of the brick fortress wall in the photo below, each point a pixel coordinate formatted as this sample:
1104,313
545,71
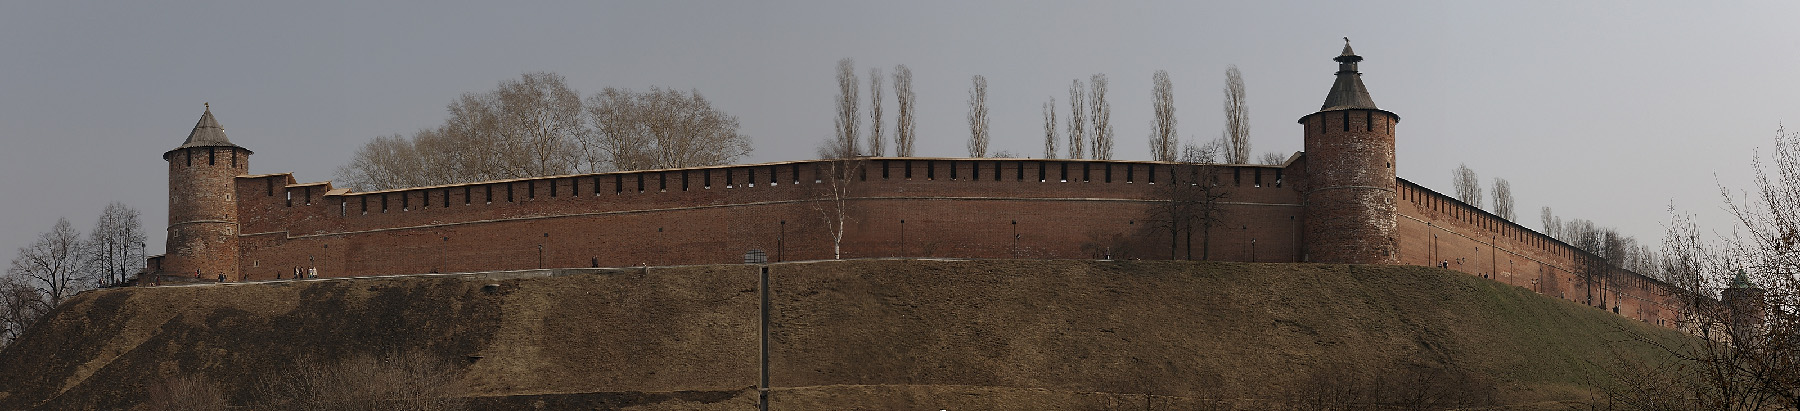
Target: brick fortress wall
1436,229
897,207
957,208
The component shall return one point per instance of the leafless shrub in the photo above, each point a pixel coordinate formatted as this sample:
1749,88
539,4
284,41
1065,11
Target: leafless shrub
1397,387
185,393
1272,159
1666,386
411,381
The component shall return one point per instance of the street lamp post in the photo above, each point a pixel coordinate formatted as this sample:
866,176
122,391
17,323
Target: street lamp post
1015,224
781,243
540,256
143,254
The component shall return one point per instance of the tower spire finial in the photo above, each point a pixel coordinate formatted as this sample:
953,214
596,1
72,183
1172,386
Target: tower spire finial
1348,91
208,105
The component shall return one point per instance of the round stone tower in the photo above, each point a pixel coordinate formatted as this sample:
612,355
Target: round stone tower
1349,194
203,212
1745,305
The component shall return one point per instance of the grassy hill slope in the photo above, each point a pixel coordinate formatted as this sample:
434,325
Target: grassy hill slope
878,334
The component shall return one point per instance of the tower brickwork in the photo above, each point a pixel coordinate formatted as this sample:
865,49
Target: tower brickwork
1744,305
1349,196
203,215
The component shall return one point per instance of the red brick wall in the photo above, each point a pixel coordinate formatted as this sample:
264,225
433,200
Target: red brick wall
951,208
1436,229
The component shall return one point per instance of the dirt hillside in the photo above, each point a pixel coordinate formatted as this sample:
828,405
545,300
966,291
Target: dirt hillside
875,334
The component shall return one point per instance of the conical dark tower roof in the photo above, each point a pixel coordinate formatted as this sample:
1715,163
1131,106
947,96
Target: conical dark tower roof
1742,281
1348,92
207,133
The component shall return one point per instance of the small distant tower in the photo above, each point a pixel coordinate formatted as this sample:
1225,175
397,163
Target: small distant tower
1744,302
1349,195
203,213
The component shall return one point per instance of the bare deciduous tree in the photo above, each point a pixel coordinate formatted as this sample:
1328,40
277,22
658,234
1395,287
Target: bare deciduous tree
53,264
978,117
545,115
115,245
1750,361
903,120
1237,118
538,126
1050,137
1552,223
1102,117
1192,201
1503,200
390,162
832,190
1202,153
1163,140
21,305
527,127
662,128
877,146
848,115
1738,294
1077,120
1272,158
1468,185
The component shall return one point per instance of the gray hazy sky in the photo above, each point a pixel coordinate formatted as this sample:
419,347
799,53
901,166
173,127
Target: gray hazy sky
1605,110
